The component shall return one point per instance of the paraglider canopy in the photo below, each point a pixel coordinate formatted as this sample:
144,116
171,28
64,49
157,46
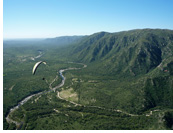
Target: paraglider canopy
36,66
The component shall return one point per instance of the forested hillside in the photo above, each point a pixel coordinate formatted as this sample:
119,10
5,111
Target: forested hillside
140,60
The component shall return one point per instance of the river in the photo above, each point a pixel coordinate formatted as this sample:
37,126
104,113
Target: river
18,124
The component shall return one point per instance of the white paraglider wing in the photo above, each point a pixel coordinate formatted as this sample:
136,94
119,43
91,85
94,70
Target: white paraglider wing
36,66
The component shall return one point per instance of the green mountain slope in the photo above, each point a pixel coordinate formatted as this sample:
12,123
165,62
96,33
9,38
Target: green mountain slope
135,52
140,61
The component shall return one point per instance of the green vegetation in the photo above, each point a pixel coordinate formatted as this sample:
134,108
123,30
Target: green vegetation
49,113
127,84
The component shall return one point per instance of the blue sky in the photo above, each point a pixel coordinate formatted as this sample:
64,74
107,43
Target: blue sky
52,18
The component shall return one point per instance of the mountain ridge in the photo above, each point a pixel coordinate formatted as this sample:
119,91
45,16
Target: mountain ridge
148,49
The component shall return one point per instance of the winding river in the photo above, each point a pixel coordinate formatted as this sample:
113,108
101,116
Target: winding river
9,120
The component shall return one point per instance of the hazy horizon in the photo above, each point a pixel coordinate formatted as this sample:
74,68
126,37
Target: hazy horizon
4,39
